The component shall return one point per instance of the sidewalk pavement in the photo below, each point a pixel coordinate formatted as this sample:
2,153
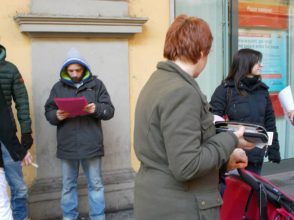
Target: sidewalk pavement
283,180
121,215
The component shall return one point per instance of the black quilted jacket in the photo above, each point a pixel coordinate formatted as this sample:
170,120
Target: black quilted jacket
255,107
13,87
8,134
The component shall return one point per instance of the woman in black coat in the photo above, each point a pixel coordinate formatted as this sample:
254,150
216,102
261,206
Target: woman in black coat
243,97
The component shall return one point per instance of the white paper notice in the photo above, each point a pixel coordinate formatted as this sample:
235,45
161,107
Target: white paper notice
287,102
270,138
286,99
217,118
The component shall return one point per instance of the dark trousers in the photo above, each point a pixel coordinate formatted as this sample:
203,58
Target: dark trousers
254,167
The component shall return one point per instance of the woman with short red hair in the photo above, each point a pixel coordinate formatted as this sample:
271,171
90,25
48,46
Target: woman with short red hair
175,139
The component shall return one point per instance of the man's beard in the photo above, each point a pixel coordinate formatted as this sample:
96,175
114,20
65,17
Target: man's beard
76,79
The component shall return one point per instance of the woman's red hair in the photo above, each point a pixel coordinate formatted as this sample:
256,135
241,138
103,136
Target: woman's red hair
186,38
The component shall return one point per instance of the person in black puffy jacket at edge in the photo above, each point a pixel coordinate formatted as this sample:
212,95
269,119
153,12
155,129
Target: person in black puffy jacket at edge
243,97
18,152
12,149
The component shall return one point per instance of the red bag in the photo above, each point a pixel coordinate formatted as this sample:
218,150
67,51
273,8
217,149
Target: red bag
250,197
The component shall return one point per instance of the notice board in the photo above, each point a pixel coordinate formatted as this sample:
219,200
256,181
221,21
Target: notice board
264,27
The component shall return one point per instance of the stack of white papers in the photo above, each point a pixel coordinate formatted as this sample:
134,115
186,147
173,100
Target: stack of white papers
286,100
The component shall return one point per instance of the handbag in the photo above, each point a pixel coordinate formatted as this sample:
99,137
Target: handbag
253,133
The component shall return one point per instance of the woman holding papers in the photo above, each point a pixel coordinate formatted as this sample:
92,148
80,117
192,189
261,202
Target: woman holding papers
287,102
291,116
243,97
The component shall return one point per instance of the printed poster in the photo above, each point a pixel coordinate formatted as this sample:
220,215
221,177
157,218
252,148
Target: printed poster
273,46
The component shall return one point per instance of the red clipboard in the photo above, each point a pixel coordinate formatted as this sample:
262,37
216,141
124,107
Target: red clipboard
74,106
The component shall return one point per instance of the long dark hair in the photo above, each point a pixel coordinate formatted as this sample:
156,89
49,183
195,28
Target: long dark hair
243,62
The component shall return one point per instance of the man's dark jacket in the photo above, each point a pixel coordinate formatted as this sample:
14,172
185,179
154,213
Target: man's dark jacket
80,137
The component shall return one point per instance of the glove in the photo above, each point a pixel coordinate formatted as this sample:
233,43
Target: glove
26,140
274,155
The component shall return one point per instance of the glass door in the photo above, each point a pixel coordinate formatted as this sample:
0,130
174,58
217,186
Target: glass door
267,26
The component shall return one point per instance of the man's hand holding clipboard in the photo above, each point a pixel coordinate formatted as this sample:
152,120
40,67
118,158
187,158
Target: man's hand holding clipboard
73,107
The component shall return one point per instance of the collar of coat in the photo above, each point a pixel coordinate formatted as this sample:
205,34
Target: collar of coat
86,84
174,68
242,86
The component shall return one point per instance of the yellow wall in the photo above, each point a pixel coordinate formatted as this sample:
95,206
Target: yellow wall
18,48
145,49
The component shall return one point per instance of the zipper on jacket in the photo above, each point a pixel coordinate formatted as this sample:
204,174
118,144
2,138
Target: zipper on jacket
80,89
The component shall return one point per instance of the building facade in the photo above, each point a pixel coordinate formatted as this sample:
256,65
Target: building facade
123,41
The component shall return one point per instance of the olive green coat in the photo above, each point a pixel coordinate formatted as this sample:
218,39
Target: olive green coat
179,152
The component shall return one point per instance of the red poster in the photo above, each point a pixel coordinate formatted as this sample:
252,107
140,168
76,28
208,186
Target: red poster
277,105
253,14
261,15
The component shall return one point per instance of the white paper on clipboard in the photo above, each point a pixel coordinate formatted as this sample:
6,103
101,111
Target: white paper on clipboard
287,102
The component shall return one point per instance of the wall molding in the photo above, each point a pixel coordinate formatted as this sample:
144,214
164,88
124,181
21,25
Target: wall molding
78,26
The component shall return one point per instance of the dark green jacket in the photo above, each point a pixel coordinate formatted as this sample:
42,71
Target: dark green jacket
180,153
7,133
13,87
226,99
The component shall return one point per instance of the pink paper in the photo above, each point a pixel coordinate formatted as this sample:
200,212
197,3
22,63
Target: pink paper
74,106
